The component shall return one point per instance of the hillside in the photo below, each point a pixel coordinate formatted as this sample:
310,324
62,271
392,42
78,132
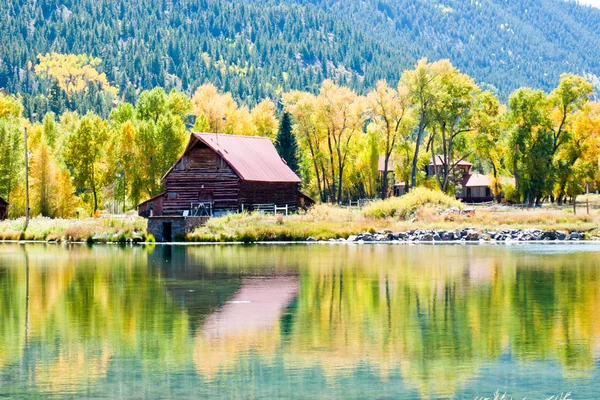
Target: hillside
256,48
506,43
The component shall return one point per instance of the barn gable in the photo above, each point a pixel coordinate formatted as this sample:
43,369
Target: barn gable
252,158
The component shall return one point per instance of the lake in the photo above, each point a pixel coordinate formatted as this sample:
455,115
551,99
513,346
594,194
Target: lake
299,321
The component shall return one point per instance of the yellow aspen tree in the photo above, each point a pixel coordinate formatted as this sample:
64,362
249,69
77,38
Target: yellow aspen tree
66,201
72,72
239,122
216,107
264,119
43,181
392,121
311,136
342,112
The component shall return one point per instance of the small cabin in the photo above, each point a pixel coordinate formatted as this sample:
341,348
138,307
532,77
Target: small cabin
473,187
220,173
3,209
438,162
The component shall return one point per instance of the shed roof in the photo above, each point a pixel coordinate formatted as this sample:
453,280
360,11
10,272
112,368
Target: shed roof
153,198
476,180
441,160
381,164
254,158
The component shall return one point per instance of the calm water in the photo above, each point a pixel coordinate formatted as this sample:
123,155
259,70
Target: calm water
371,321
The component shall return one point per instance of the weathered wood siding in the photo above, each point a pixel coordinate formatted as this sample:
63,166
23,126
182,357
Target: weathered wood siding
280,194
151,207
201,175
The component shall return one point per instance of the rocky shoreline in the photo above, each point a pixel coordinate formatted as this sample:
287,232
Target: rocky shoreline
465,235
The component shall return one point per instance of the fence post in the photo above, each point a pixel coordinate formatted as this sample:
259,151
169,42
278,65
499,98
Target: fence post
587,205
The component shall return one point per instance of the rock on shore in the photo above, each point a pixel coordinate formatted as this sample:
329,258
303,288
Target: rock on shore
465,235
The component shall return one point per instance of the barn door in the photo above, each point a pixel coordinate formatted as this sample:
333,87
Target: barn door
167,232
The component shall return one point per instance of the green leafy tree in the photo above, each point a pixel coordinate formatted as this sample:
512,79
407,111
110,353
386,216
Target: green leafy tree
453,117
11,157
530,144
86,155
423,87
152,104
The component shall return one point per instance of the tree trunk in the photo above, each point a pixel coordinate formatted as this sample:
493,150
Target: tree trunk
413,173
331,161
385,183
498,193
340,182
316,166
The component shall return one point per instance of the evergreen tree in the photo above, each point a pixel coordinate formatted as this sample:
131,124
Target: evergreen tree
286,144
57,99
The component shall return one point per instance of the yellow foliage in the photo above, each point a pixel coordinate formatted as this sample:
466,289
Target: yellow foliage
43,181
216,107
10,106
66,201
264,119
72,72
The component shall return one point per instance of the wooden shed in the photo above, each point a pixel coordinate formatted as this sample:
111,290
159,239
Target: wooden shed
221,173
3,209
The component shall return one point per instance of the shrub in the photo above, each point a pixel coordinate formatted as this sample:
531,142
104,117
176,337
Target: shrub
407,206
510,193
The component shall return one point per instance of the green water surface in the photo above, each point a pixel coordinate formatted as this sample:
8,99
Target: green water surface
299,321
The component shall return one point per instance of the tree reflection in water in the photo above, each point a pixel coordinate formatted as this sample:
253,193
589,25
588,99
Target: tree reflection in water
426,319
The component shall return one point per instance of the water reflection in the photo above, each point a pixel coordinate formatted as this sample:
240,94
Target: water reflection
291,321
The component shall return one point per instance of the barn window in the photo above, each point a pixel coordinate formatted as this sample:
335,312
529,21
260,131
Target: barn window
171,195
219,162
468,192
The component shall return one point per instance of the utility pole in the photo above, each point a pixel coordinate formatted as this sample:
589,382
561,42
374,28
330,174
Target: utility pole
26,182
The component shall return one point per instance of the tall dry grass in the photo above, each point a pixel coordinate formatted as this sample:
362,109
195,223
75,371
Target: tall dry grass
326,221
419,200
90,229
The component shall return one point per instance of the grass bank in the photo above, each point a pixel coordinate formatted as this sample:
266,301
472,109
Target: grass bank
254,227
92,230
420,209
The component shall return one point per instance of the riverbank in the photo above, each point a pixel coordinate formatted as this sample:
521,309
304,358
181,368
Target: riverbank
425,216
123,229
332,223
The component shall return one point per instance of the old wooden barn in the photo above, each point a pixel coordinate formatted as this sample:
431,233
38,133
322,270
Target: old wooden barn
220,173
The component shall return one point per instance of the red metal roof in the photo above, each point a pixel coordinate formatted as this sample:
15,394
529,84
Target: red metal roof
256,307
253,158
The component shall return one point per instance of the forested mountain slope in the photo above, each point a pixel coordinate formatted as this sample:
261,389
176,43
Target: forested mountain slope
254,48
507,43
